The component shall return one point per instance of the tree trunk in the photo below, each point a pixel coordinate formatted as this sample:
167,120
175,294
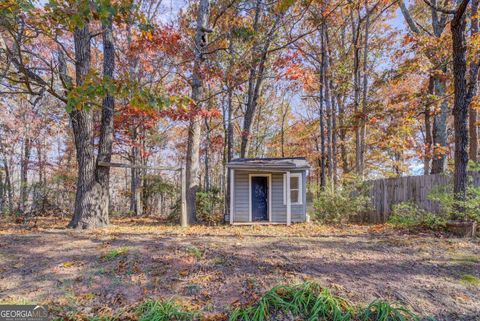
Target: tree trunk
25,160
207,156
252,77
91,200
472,121
136,206
356,93
428,131
8,185
363,133
106,130
342,135
460,105
194,130
321,116
2,193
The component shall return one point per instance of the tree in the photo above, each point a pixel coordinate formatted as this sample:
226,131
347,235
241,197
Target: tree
464,90
195,126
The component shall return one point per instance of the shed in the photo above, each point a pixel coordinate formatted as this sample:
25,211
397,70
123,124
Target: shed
268,190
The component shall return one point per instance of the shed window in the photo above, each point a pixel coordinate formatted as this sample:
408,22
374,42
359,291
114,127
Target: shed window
295,188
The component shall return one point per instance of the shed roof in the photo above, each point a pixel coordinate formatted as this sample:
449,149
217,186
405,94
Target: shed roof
270,163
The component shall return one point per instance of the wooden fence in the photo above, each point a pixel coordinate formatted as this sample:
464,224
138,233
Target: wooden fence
384,193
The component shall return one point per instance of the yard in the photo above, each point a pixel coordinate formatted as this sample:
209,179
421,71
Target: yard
216,268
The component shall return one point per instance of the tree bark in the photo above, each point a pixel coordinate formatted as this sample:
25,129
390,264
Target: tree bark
92,197
321,111
356,93
194,130
136,206
461,103
25,160
428,130
472,121
363,132
107,128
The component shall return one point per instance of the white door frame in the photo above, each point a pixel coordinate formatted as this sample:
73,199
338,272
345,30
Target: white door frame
269,195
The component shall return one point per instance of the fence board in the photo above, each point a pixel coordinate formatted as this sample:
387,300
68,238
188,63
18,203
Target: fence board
386,192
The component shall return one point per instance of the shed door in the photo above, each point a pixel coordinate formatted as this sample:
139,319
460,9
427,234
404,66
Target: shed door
259,198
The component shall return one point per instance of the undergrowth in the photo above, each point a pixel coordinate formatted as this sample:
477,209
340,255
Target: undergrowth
112,254
380,310
163,311
307,302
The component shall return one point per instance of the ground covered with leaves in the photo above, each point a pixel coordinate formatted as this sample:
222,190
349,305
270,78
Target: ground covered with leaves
215,270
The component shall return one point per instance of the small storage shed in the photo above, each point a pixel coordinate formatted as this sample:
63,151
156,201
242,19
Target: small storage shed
268,190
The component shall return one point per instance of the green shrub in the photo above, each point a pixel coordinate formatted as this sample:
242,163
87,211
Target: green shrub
341,204
450,207
209,207
409,215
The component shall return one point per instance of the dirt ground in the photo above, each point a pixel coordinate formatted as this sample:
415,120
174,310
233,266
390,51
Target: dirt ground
215,268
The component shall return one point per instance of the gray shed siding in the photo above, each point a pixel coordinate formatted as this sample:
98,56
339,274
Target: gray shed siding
278,210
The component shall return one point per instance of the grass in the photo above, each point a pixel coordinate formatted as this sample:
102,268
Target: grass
194,252
163,311
466,258
470,279
113,253
307,301
380,310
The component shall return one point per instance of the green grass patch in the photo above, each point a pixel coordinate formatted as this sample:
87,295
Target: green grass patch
470,279
308,300
164,311
195,252
380,310
113,253
303,302
465,258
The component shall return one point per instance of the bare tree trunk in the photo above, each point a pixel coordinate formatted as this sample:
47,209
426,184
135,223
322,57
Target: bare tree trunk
428,131
252,80
106,129
363,133
328,110
356,92
194,130
207,156
2,193
342,135
8,184
321,116
91,210
86,204
25,160
334,138
461,103
472,121
282,128
136,206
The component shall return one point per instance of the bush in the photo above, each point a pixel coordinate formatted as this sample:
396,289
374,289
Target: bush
409,215
340,205
210,207
450,206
